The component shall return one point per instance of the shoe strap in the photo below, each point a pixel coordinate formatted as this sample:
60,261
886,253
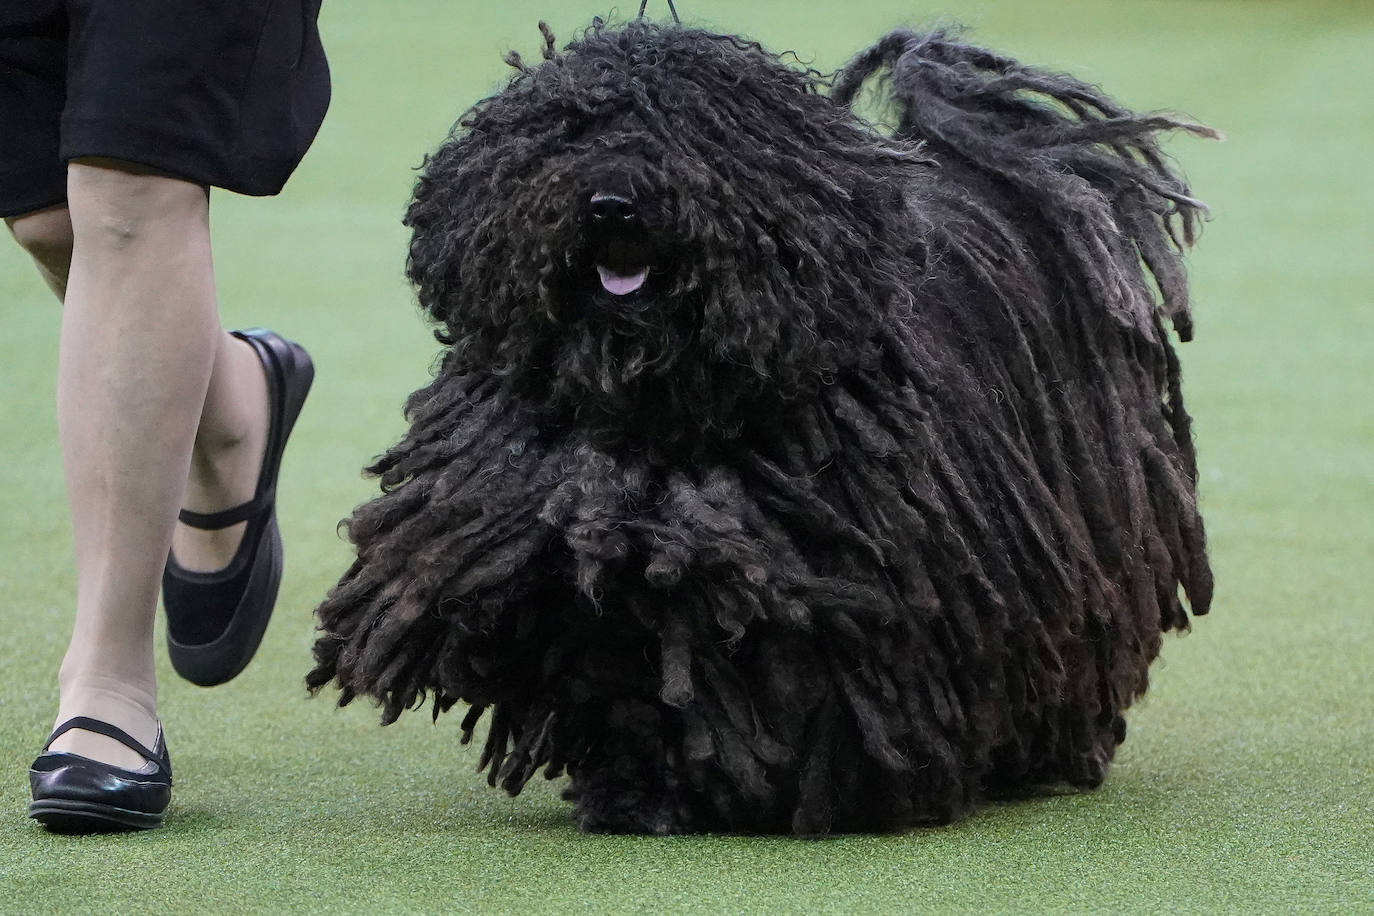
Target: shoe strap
213,521
85,723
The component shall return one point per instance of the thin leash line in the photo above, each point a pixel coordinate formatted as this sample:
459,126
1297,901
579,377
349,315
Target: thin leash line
671,8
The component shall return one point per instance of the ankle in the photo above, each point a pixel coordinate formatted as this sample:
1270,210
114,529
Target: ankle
216,462
218,443
135,694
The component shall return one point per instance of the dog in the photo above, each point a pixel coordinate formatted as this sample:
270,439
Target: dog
785,471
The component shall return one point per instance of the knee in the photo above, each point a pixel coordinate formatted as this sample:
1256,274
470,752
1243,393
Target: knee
114,204
47,236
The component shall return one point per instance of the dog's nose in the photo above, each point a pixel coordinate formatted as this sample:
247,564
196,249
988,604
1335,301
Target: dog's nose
612,210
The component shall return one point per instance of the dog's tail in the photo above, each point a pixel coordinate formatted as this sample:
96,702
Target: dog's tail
1092,168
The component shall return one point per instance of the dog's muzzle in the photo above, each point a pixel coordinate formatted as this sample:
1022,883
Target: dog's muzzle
622,249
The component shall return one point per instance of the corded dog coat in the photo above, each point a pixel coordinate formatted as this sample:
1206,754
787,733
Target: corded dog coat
783,473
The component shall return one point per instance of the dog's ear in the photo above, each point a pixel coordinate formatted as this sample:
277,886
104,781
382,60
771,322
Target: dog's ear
438,218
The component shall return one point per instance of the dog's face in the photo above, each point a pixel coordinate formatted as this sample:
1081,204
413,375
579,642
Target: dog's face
659,222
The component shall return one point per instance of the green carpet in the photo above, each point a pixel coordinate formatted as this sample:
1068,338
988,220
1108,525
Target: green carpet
1245,785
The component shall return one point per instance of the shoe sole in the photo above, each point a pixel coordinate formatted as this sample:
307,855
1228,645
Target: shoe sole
65,815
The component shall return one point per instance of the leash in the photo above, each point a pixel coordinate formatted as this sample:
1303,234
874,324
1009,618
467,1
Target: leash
671,8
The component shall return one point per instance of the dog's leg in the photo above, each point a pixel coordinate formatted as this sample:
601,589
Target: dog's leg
633,783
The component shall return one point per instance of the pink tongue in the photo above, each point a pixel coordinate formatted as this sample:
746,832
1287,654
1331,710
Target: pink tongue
620,284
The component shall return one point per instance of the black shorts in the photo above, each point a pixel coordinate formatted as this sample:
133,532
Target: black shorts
227,93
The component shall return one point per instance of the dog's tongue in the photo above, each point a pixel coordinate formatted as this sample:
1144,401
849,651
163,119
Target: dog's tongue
621,284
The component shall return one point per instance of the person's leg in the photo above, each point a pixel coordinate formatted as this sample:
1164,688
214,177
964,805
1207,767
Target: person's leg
140,336
232,432
47,236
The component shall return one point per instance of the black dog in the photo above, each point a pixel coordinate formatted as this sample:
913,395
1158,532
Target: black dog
781,473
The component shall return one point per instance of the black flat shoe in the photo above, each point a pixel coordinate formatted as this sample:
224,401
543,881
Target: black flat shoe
216,620
75,794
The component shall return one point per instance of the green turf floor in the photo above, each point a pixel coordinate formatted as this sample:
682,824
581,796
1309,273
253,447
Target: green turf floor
1245,785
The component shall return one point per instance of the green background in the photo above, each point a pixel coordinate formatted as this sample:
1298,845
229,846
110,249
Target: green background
1246,783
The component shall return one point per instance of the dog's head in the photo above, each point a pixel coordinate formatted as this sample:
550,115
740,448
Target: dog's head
658,226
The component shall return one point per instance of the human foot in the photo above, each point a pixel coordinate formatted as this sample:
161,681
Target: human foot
130,708
228,456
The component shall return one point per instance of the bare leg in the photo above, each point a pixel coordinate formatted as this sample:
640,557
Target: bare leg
107,673
140,335
47,236
233,428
